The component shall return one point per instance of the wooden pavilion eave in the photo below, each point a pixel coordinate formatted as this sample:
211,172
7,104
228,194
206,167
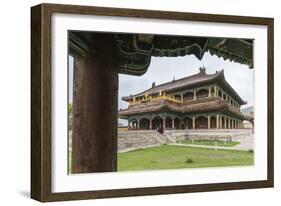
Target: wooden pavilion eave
134,51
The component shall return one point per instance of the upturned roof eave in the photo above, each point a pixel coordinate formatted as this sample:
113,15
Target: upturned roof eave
235,94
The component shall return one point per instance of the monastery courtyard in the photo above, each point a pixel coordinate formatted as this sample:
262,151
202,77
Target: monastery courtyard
148,150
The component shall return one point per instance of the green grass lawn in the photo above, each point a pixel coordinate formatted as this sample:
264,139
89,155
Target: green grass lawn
172,157
220,143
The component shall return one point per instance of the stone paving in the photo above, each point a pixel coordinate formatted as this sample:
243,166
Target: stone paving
246,142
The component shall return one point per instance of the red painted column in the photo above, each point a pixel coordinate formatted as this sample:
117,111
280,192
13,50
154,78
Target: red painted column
181,124
164,121
138,124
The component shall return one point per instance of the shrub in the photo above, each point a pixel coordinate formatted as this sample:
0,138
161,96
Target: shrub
251,151
189,160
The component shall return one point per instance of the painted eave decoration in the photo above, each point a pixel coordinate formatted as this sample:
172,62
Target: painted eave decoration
134,51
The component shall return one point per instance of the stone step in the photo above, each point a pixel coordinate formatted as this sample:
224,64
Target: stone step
138,139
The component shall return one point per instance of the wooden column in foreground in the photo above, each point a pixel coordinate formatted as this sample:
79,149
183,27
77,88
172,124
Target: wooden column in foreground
95,100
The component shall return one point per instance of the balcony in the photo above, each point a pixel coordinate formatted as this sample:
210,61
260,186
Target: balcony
155,98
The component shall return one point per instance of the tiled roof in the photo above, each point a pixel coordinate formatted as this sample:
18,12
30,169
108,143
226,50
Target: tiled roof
193,80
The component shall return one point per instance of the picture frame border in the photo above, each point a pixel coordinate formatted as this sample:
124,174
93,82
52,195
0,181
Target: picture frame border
41,101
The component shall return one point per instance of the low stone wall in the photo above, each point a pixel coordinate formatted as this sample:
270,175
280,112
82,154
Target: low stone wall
212,134
135,139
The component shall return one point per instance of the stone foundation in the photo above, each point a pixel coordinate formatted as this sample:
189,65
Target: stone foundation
131,140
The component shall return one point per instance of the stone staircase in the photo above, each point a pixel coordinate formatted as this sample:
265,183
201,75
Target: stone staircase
169,137
131,140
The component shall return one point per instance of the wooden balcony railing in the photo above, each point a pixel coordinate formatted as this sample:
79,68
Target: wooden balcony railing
155,98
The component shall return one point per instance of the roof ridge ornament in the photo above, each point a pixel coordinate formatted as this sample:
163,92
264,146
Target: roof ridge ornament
202,70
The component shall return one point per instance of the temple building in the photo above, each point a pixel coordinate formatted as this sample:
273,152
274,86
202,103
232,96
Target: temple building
98,60
200,101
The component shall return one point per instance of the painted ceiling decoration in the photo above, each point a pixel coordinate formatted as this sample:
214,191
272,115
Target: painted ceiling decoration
134,51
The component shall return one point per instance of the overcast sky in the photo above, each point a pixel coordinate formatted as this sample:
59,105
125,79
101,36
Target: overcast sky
164,69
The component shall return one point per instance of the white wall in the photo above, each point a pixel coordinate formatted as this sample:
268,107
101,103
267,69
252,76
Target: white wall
15,102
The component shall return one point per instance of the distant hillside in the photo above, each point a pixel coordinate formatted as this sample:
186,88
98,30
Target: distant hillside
247,111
